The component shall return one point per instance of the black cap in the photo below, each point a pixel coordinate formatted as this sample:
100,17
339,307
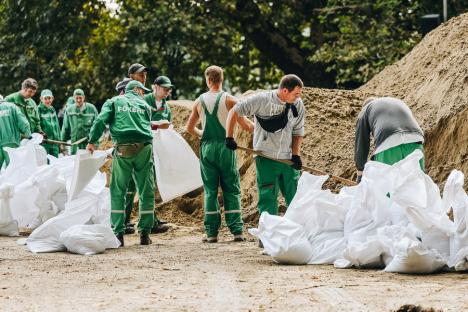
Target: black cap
136,68
120,87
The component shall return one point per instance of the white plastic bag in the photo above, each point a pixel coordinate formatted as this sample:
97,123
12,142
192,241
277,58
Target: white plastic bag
85,170
46,238
176,165
8,226
23,164
455,197
89,239
283,239
412,257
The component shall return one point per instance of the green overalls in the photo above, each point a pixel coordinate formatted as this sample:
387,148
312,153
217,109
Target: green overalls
273,176
399,152
128,117
219,168
164,113
50,125
77,123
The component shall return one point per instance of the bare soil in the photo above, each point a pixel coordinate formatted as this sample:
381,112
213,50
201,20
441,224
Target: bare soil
179,273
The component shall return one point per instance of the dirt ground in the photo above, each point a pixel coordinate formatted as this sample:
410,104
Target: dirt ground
179,273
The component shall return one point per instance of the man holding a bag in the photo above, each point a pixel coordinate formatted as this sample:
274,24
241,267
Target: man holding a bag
129,117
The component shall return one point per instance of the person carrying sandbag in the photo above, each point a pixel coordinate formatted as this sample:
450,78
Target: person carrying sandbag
129,117
395,130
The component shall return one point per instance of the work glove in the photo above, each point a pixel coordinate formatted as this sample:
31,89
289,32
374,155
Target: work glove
231,144
154,127
358,179
297,162
44,135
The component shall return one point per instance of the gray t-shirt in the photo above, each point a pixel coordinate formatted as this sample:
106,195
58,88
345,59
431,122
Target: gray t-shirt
383,118
265,105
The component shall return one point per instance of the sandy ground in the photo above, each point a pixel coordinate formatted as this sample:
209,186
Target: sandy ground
179,273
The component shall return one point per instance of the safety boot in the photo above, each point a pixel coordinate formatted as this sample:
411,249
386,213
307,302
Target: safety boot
129,228
120,237
159,228
145,239
239,238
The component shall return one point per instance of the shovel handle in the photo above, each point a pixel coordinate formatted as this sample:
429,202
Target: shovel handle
309,169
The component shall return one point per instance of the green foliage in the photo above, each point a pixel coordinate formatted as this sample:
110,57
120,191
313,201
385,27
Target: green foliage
82,43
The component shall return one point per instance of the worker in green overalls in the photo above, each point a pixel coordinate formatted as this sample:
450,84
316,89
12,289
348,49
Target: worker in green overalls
218,163
129,117
77,120
49,122
13,123
23,99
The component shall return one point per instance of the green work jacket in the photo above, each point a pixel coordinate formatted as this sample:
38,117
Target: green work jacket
163,113
29,109
13,123
77,122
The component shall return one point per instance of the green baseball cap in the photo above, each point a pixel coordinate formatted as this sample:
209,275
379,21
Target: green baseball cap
164,82
135,84
46,92
78,92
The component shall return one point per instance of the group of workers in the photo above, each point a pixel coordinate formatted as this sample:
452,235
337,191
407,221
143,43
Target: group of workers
277,127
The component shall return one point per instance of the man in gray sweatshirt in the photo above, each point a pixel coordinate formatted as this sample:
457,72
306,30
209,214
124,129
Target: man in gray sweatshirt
278,132
394,128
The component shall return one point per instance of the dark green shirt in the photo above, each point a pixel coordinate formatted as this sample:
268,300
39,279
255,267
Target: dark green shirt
163,113
29,109
128,117
77,123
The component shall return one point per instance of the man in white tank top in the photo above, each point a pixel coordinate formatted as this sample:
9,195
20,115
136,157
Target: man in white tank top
218,163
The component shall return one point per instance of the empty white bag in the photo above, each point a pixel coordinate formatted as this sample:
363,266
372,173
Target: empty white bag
89,239
176,165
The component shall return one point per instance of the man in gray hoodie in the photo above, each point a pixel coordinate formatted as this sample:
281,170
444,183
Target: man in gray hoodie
395,130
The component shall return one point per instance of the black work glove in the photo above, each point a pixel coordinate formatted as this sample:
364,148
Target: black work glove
231,144
297,162
358,179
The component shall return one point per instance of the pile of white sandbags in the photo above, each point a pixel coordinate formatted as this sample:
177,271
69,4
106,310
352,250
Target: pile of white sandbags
394,219
65,203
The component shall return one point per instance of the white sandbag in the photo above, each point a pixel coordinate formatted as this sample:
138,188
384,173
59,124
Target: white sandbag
32,202
283,239
86,168
435,228
372,254
412,257
89,239
455,198
103,207
176,165
46,238
23,164
8,226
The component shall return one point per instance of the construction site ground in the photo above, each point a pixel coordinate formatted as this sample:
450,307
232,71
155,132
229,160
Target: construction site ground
180,273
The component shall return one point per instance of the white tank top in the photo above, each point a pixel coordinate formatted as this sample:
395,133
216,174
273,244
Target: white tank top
209,99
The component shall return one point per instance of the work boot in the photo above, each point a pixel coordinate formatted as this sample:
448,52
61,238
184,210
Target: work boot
120,237
260,244
162,221
129,228
239,238
159,228
145,239
213,239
